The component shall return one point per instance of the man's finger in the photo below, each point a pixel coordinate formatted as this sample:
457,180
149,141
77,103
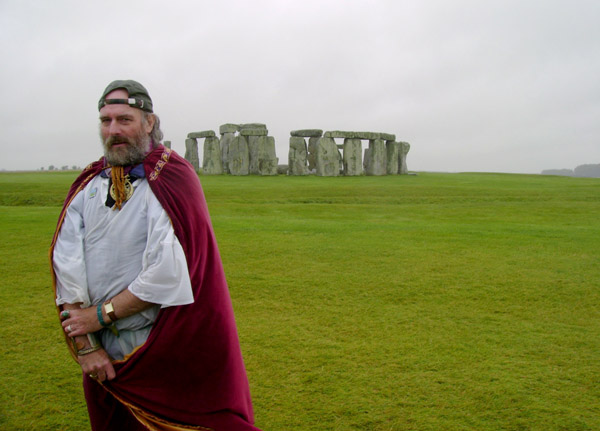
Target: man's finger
110,372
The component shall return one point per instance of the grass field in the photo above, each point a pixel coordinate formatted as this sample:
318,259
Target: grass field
428,302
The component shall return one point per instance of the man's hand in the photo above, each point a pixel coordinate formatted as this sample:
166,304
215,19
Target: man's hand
81,321
97,365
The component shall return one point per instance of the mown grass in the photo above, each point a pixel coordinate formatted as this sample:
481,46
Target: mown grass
429,302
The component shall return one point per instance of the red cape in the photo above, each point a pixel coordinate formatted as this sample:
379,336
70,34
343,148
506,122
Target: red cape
190,370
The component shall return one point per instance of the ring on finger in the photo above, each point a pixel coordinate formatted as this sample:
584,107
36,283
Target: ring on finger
69,328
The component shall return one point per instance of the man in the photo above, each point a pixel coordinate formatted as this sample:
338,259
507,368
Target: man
140,287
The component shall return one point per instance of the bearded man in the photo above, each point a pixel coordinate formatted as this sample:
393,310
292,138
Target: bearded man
140,287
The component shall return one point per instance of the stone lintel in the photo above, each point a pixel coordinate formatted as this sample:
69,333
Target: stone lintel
368,135
339,134
352,135
307,133
388,137
228,128
204,134
254,132
253,126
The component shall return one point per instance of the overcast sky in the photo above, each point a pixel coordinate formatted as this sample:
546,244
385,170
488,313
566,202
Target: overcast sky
472,85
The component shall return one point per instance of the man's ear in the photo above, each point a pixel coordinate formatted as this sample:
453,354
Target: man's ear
150,119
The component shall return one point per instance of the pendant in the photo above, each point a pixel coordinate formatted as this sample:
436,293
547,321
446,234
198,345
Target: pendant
128,190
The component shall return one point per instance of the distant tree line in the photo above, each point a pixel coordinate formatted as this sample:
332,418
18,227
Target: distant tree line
587,171
62,168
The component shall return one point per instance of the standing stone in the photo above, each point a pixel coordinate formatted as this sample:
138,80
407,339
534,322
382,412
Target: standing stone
226,139
267,162
211,160
352,157
191,153
404,148
297,156
167,144
366,158
238,156
392,157
252,153
311,157
327,158
377,158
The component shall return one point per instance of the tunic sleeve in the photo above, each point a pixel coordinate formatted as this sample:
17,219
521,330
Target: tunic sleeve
164,278
68,258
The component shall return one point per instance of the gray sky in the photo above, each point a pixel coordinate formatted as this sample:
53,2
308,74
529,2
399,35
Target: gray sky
473,85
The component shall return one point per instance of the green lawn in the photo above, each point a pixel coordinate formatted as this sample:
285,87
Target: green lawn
428,302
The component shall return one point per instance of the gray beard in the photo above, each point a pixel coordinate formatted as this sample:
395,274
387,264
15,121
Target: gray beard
133,154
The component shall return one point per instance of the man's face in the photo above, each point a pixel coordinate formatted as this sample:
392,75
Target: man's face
125,135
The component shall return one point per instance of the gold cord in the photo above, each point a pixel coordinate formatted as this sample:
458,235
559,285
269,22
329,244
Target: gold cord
118,182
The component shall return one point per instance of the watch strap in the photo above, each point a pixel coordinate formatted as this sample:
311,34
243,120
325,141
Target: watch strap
110,311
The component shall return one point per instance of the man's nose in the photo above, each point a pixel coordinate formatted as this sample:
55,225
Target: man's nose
114,129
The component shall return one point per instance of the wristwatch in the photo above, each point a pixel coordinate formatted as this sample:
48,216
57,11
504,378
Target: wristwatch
108,307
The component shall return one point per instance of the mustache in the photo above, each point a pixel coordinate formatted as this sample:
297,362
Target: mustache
115,140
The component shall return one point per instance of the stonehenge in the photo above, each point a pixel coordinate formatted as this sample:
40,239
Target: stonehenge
247,149
323,157
243,149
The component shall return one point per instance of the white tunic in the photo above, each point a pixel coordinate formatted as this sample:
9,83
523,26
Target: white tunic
100,251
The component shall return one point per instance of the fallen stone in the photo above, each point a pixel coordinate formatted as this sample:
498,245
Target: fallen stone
199,135
307,133
282,169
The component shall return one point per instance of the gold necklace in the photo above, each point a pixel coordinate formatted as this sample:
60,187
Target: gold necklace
126,186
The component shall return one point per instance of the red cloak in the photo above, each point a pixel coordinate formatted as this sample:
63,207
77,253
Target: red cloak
190,370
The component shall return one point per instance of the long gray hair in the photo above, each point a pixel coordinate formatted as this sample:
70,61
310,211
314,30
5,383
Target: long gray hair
156,134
